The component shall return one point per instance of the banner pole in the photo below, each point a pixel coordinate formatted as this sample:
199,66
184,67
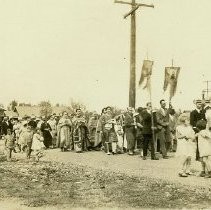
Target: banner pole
152,117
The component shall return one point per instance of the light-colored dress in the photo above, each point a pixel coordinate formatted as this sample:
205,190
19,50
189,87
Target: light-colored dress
185,147
37,142
120,136
22,133
64,133
204,143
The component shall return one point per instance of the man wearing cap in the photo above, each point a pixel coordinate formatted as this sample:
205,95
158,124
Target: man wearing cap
195,116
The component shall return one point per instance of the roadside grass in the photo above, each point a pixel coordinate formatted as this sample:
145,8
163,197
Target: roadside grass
56,184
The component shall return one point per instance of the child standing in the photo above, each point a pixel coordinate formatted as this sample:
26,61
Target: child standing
185,145
37,144
9,144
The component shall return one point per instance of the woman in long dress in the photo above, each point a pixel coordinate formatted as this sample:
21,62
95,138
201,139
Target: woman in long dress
185,145
37,144
46,131
80,133
130,130
22,132
64,132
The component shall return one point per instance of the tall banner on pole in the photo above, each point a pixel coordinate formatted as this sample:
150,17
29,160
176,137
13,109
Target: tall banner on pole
146,73
171,77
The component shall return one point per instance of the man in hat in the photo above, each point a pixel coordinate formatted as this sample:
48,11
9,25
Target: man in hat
195,116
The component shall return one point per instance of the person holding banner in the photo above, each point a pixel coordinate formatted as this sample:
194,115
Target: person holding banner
147,131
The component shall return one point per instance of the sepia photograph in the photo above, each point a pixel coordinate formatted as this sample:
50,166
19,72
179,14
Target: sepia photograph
105,104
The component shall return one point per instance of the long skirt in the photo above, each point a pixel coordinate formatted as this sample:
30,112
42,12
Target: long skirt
185,148
64,137
130,137
47,139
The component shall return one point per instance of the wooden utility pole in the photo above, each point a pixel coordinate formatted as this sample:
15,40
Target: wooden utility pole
207,90
132,13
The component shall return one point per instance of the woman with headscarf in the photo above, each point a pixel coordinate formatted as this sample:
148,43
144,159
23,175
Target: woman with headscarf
64,133
130,130
186,146
92,126
80,133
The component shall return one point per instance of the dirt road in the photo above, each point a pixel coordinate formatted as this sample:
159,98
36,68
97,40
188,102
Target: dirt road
93,179
164,169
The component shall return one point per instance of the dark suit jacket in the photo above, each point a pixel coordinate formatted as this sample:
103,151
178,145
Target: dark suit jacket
147,122
162,118
195,116
5,126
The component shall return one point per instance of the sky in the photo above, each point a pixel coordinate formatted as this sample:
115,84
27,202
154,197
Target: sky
61,49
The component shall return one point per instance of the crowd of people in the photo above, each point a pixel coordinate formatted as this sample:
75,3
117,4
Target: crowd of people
139,131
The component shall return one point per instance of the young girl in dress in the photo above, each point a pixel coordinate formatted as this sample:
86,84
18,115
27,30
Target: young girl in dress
37,144
185,145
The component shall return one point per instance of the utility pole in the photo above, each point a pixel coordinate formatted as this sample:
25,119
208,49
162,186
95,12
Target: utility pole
132,13
207,90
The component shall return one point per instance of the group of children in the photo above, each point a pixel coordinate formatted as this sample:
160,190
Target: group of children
27,140
190,142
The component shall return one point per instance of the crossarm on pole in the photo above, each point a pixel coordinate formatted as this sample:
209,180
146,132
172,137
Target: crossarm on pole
136,4
145,5
132,11
122,2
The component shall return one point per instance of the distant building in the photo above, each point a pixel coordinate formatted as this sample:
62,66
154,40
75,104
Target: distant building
23,111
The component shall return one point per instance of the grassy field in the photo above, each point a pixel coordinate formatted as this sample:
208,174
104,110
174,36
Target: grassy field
58,184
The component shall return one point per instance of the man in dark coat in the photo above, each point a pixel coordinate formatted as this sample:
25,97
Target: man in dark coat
139,136
6,124
163,135
147,131
195,116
